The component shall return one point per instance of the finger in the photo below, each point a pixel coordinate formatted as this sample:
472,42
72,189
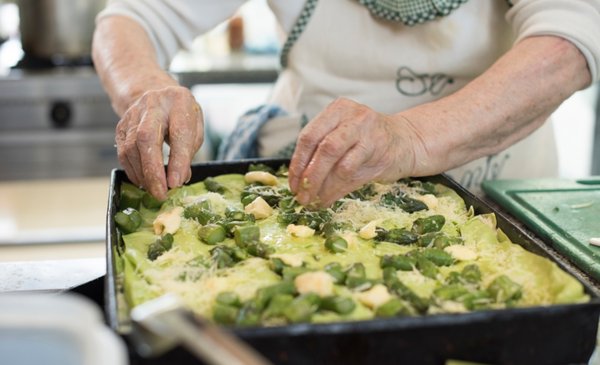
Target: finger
185,138
309,139
129,171
331,150
131,158
124,147
120,136
365,162
189,176
350,173
150,137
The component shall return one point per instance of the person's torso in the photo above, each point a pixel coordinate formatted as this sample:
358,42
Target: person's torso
346,51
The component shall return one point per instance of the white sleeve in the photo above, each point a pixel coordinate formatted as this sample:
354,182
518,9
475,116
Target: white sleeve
575,20
173,24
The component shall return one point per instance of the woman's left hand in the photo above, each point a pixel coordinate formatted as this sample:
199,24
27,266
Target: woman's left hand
347,145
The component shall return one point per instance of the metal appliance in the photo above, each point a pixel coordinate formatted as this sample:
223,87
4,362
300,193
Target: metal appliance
58,29
55,119
55,123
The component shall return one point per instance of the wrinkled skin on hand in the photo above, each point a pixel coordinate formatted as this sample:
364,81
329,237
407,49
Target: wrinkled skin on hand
169,114
347,145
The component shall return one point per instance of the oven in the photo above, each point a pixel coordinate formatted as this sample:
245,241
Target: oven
55,123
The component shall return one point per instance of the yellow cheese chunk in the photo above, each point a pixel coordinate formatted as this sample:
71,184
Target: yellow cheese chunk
300,230
168,222
368,231
259,208
289,259
318,282
375,296
262,177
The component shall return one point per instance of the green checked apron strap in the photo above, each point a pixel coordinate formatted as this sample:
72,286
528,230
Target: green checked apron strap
411,12
408,12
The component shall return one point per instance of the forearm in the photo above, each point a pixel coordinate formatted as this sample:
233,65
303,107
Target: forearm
125,60
502,106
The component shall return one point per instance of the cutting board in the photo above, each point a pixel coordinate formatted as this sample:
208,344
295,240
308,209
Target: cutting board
564,213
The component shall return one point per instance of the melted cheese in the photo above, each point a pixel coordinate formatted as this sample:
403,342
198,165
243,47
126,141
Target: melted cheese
187,269
461,253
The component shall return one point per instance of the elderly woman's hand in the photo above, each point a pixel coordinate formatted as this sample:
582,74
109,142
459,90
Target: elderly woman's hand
169,114
348,145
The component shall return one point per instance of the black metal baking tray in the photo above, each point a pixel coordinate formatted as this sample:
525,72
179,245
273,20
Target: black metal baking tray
558,334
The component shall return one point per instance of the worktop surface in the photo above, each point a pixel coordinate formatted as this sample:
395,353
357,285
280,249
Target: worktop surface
52,233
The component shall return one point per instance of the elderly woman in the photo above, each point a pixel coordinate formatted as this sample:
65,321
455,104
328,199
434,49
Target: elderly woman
391,88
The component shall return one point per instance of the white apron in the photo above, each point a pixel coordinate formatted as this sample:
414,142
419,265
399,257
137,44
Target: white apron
345,51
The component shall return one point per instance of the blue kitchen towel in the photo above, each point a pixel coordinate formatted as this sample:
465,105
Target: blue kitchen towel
243,141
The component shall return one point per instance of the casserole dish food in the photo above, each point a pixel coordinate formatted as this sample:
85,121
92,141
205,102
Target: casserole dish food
451,268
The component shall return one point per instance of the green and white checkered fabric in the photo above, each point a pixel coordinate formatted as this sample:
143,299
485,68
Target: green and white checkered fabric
408,12
297,29
411,12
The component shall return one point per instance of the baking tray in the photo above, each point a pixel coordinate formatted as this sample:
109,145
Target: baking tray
559,334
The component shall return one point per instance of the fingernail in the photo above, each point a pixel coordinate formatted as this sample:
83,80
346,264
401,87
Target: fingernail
302,197
158,190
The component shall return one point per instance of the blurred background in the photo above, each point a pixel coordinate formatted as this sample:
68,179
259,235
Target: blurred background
57,137
55,120
56,123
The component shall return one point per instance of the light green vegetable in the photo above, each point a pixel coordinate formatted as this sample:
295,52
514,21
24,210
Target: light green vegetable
128,220
338,304
336,244
429,224
211,234
151,202
302,308
220,260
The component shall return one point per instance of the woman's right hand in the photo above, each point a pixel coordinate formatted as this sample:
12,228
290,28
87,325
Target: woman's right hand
169,114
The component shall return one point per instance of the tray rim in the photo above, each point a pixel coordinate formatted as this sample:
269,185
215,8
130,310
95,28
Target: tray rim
365,326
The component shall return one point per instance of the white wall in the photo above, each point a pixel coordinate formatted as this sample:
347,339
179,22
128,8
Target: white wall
574,127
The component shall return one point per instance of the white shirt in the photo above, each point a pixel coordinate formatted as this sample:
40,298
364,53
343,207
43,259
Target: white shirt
173,24
345,51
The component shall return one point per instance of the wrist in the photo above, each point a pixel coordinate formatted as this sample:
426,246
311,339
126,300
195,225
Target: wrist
418,154
129,92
